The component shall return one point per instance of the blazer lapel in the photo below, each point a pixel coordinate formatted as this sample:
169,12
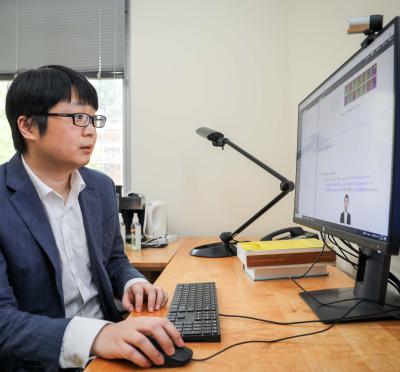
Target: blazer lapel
29,206
91,213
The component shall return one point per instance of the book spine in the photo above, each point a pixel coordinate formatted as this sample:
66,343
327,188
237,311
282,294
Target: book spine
284,272
289,259
241,255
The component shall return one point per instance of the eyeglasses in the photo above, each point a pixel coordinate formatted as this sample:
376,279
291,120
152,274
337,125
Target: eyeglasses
81,119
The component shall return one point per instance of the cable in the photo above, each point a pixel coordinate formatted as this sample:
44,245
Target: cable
313,264
316,260
279,339
354,254
269,321
347,259
349,245
343,249
345,300
319,302
394,285
392,280
344,252
355,317
337,254
325,244
334,302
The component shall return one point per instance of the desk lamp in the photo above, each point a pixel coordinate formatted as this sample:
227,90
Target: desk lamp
227,246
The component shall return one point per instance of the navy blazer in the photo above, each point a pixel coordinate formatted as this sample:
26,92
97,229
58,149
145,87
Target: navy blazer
348,219
32,314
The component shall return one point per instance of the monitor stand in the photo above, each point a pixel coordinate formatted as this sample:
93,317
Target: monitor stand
366,310
369,297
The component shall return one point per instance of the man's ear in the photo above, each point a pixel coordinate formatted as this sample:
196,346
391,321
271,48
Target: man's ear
26,127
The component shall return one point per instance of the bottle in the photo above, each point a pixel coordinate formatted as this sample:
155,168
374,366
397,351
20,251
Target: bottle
136,233
125,234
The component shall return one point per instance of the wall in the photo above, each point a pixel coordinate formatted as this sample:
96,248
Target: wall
240,67
221,64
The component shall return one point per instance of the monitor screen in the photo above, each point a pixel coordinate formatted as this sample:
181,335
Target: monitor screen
345,148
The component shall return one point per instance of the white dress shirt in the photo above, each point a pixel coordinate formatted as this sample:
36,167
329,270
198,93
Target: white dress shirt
80,293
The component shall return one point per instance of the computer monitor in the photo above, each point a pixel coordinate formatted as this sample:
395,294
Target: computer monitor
348,172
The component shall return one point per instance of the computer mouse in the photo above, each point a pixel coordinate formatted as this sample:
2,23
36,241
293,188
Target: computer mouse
181,356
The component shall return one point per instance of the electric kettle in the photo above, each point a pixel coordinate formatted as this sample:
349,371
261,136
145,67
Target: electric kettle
156,219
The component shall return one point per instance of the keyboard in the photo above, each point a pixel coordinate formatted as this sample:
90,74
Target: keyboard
194,312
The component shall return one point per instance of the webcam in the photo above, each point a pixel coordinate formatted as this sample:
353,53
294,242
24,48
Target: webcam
368,25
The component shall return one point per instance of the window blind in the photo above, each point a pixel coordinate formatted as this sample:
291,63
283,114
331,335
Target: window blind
88,36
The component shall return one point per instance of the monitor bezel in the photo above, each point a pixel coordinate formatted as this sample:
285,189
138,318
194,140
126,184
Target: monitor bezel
391,246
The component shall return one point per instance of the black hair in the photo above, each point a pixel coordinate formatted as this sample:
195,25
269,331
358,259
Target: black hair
346,196
33,92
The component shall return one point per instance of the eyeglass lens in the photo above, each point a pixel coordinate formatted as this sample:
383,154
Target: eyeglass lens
83,120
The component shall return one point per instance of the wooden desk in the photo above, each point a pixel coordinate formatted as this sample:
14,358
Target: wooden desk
153,259
372,346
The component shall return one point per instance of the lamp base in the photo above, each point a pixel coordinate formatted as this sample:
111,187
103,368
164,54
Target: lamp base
214,250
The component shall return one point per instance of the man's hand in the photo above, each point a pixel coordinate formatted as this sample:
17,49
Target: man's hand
127,340
135,294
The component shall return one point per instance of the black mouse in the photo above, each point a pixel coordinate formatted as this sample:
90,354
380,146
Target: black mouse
181,356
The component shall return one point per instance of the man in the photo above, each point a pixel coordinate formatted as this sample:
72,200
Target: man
61,252
345,216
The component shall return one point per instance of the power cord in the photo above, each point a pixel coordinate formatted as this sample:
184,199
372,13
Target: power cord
278,339
333,321
392,280
343,257
159,241
346,300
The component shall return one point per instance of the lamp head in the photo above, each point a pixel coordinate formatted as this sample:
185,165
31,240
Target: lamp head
217,138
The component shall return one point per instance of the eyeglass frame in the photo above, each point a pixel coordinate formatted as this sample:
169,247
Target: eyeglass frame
90,121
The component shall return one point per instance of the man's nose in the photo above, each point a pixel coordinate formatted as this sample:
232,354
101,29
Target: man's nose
89,130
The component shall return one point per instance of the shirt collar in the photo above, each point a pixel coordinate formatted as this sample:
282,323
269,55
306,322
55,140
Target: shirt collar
77,183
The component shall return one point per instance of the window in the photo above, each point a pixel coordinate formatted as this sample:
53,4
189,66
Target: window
88,36
6,143
108,153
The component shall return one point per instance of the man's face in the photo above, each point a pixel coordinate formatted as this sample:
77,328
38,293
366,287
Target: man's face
346,204
64,144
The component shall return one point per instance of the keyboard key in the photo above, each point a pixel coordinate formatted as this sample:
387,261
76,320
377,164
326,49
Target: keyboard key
194,311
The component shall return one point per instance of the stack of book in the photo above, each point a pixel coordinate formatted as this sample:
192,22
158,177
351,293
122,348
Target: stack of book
278,259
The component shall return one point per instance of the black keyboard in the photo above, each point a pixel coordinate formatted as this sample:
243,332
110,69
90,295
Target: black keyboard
194,312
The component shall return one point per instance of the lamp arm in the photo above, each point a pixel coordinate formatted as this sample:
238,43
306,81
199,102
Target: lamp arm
264,166
228,247
286,186
227,237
